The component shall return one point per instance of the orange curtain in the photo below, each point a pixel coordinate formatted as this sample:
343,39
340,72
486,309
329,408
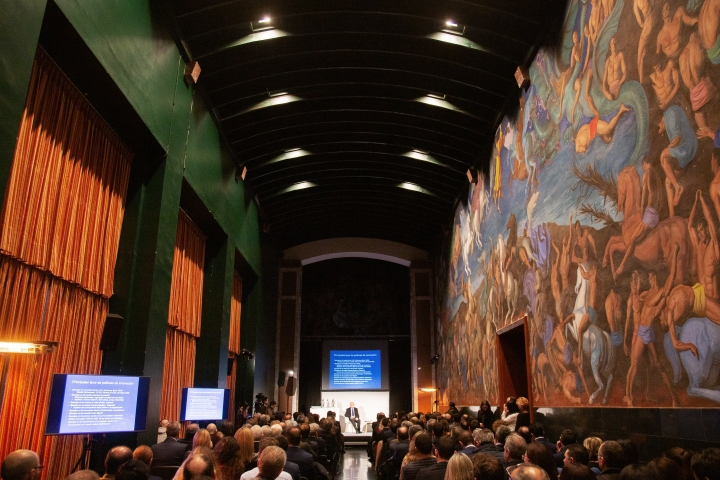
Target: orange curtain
37,306
187,277
184,316
235,311
65,199
231,382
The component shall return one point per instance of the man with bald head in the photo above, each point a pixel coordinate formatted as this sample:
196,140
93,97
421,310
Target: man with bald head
83,475
199,464
114,460
21,465
529,472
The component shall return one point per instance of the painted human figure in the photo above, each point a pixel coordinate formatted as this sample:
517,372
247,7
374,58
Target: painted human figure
651,202
709,29
693,70
615,72
653,303
566,257
715,183
575,55
588,271
680,151
613,312
583,241
597,126
670,37
643,10
703,237
665,82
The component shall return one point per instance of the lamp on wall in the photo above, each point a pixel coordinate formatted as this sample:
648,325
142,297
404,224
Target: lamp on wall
290,388
21,348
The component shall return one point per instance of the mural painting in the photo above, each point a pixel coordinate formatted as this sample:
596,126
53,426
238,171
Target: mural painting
598,219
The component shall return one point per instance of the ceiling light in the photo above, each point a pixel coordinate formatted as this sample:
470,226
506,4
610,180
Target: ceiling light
423,156
436,95
456,39
439,101
428,389
31,348
276,93
287,155
453,28
264,23
415,188
297,186
274,99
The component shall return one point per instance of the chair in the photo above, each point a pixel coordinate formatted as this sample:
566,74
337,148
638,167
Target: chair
166,472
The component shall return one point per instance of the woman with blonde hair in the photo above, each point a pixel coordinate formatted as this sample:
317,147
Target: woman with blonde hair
460,467
593,445
523,418
201,439
244,437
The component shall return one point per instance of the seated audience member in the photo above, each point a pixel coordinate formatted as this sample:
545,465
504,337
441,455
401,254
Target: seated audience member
635,471
256,431
271,463
399,449
567,437
662,468
297,455
528,471
199,464
133,470
705,465
190,432
227,428
144,454
247,448
630,451
576,453
523,418
460,467
524,432
304,439
486,467
114,460
501,435
227,458
329,437
83,475
593,444
423,458
484,440
577,471
201,439
611,460
21,465
252,473
683,458
538,433
467,443
444,450
290,467
171,451
317,443
162,435
510,413
213,431
538,454
514,450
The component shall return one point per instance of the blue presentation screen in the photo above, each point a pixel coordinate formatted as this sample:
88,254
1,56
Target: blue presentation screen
97,404
355,369
204,404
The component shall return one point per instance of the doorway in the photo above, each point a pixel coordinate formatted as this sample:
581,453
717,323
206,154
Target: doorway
513,361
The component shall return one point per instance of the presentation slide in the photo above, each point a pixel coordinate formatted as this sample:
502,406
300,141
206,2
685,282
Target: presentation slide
97,404
204,404
355,369
355,365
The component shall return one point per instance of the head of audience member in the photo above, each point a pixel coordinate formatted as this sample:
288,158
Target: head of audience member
227,457
144,454
133,470
315,429
630,451
267,442
611,455
537,430
465,439
304,431
636,472
293,436
227,428
514,447
483,436
191,430
164,423
247,445
199,464
523,404
423,444
271,462
529,471
402,433
282,442
593,444
201,439
21,465
173,430
444,448
486,467
485,407
705,464
83,475
524,432
567,437
116,457
256,431
438,428
459,467
267,431
211,428
328,425
576,453
276,430
576,471
664,468
511,406
540,455
683,458
501,434
413,430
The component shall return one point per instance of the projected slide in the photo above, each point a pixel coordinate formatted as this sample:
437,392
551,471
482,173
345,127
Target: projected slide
99,404
204,404
355,369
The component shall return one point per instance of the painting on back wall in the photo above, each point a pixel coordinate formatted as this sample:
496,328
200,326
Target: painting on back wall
598,219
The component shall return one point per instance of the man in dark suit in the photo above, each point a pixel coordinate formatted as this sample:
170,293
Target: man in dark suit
611,460
398,450
538,433
290,467
467,444
190,432
425,459
297,455
444,450
353,416
567,437
171,451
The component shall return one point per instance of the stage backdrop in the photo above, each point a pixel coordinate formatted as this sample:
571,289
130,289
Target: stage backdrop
601,187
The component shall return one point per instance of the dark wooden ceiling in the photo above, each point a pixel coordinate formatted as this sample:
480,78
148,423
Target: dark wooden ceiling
377,158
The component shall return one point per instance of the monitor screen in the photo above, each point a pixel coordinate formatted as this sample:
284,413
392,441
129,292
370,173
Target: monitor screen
205,404
355,365
97,404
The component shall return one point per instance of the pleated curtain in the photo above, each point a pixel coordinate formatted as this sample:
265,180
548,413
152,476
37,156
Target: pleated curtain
184,316
59,234
234,341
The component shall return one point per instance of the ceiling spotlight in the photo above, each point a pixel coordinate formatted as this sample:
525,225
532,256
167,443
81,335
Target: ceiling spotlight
291,373
439,96
31,348
277,93
453,28
264,23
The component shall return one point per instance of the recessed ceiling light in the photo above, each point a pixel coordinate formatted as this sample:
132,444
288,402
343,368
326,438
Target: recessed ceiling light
287,155
423,156
450,23
274,100
439,96
277,93
453,28
415,188
292,150
264,23
439,101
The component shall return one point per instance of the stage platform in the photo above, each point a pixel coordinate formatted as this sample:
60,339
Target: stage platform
357,439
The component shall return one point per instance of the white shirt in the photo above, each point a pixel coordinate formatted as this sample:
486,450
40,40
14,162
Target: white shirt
250,474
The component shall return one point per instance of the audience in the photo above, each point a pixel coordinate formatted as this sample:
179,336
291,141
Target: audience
539,455
567,438
21,465
133,470
253,472
577,471
514,450
611,460
423,457
444,450
486,467
114,459
227,458
528,471
199,463
170,452
459,467
83,475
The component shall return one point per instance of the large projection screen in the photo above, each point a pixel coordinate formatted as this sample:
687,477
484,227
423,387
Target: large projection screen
359,365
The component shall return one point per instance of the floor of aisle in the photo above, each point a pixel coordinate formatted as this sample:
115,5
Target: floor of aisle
355,465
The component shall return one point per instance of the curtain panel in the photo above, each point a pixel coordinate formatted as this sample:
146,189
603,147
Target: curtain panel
179,371
235,312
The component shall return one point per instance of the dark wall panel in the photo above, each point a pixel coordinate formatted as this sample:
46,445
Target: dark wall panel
400,364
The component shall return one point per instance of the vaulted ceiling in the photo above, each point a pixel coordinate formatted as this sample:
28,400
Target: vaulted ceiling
360,118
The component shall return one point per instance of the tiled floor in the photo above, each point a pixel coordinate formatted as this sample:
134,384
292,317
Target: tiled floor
355,465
